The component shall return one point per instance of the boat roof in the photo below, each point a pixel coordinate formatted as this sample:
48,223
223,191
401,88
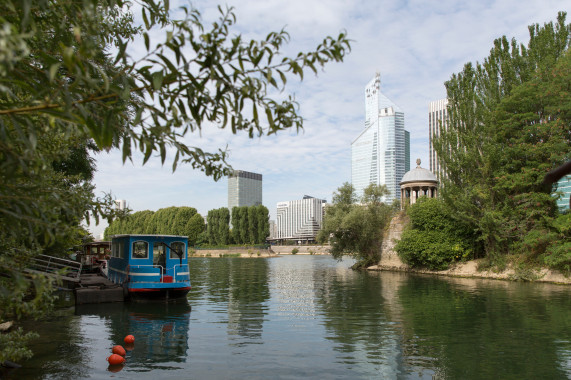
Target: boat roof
100,242
149,236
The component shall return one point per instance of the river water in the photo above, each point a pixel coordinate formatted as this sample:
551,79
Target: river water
312,317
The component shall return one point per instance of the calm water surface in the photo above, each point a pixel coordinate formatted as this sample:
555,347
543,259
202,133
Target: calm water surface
311,317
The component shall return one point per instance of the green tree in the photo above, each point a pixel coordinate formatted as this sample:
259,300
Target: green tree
252,225
263,215
212,226
243,224
223,234
508,126
355,229
236,214
194,228
183,216
434,239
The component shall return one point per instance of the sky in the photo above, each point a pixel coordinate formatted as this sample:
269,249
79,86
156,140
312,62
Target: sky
416,45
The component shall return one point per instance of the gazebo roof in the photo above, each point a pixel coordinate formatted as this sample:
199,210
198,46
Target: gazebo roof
419,174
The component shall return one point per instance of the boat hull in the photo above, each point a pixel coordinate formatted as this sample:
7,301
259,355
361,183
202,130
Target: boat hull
158,294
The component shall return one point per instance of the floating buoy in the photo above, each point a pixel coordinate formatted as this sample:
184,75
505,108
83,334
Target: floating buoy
115,359
119,350
129,339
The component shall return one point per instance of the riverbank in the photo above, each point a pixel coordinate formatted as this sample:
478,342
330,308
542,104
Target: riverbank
390,261
469,269
274,251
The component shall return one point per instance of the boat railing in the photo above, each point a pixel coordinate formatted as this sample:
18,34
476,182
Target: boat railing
181,273
157,273
56,266
141,273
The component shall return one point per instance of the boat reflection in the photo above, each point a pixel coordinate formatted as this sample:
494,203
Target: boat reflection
160,329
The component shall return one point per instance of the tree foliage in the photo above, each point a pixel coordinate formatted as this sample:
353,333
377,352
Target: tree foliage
508,126
250,224
218,226
182,221
434,239
356,229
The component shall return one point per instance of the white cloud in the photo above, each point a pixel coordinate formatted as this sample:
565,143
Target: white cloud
416,45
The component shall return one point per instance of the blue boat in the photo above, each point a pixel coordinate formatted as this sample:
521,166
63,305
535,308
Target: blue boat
150,266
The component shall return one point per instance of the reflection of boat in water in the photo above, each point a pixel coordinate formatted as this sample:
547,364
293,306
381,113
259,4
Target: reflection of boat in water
150,266
161,330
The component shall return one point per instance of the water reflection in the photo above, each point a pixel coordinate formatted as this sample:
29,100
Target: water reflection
160,330
239,290
312,317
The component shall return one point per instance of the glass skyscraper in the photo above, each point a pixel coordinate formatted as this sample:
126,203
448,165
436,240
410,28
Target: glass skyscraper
379,154
437,115
244,189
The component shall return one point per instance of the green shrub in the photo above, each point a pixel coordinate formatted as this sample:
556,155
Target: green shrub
294,251
434,239
558,254
430,249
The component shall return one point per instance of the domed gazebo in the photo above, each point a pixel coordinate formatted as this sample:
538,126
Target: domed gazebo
416,183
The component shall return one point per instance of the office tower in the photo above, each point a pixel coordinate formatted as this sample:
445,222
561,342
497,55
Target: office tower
437,114
406,151
244,189
300,219
120,204
378,154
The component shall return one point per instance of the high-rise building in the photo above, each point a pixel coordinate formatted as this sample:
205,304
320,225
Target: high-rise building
120,204
244,189
437,114
300,219
379,153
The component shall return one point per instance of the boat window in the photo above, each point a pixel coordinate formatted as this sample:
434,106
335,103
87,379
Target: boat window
179,247
140,250
159,250
117,250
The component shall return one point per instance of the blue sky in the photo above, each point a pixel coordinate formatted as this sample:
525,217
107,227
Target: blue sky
416,46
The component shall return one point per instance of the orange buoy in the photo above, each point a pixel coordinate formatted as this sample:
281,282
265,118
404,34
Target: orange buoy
119,350
129,339
115,359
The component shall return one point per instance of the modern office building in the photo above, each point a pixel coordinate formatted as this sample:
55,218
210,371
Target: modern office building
244,189
437,114
379,154
120,204
273,230
564,190
300,219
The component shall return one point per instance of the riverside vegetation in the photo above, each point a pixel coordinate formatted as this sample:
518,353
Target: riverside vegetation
509,124
250,225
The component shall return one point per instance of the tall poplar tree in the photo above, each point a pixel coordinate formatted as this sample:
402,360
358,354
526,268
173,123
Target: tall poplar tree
508,126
